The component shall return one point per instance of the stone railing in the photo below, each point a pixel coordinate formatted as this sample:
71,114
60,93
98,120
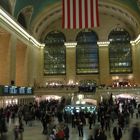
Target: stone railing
120,90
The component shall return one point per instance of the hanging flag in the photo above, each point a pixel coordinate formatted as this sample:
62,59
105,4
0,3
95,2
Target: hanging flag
78,14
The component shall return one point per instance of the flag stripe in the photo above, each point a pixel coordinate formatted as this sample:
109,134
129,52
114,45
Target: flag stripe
71,14
77,14
89,13
74,14
83,14
63,15
68,10
92,14
80,14
97,13
86,13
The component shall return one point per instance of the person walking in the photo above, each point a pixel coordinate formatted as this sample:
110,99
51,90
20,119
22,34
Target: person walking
90,121
21,129
135,134
80,128
117,132
101,135
16,132
66,132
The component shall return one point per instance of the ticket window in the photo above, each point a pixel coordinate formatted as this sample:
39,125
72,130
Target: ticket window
8,102
11,102
15,101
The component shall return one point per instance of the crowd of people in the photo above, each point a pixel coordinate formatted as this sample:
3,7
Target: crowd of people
56,122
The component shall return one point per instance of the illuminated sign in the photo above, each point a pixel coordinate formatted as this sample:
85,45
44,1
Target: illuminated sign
14,90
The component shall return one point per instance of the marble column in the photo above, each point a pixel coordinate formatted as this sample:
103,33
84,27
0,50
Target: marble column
39,79
12,51
104,65
33,54
136,63
71,62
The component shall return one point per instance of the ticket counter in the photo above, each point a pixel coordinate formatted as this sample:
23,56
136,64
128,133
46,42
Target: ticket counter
70,109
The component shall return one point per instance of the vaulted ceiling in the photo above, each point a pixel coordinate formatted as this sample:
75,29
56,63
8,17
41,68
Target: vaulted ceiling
39,17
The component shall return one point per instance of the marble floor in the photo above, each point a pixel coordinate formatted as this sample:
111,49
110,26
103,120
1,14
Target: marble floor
34,132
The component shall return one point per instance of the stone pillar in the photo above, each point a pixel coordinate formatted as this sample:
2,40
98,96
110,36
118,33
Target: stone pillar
136,63
33,54
70,62
40,77
30,73
12,51
104,77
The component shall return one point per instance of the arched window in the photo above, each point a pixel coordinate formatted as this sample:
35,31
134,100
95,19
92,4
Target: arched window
55,54
120,53
24,16
22,21
87,55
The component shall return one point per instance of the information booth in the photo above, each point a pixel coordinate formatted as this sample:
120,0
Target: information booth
70,109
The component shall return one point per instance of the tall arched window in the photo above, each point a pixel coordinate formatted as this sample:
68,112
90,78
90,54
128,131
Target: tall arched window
22,21
87,55
120,53
55,54
24,16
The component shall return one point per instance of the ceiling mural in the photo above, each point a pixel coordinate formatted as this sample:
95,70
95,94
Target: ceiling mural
41,5
43,16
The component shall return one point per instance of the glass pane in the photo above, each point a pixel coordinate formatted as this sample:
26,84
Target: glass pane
54,60
120,57
87,58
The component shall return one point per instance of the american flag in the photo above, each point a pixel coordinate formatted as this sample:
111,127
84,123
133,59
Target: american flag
78,14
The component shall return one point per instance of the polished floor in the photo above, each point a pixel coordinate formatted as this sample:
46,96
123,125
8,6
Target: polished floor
34,132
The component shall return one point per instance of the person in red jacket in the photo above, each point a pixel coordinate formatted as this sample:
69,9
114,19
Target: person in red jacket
117,132
60,134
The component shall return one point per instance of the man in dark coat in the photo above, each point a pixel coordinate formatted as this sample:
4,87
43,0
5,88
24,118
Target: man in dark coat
135,134
101,135
66,132
90,120
117,132
80,128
